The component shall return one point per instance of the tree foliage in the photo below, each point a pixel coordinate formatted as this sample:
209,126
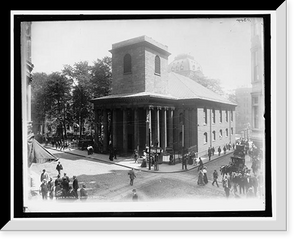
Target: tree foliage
63,97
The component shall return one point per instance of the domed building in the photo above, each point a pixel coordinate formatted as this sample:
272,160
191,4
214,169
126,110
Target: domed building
186,65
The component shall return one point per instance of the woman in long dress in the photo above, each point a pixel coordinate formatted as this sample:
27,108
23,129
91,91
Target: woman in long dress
200,177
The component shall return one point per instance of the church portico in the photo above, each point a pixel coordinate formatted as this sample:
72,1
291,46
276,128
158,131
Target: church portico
126,128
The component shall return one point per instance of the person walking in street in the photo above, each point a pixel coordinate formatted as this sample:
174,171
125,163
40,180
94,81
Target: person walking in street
136,155
132,176
200,164
66,178
184,162
205,180
44,176
213,151
215,178
224,149
75,186
209,154
200,178
50,186
219,150
226,186
44,189
59,167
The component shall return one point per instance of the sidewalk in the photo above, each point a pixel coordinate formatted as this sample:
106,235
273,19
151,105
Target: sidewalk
129,162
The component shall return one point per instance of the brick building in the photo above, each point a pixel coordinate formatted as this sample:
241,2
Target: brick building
148,103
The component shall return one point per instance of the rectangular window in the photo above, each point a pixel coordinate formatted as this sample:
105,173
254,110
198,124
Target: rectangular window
226,116
231,130
231,113
221,119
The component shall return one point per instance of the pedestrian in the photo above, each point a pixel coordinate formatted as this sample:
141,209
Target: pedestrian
83,192
59,167
136,155
226,186
132,176
75,186
66,177
44,189
200,178
156,163
50,186
184,162
58,181
209,154
200,164
44,176
90,149
134,196
115,153
224,149
219,150
205,180
213,151
215,178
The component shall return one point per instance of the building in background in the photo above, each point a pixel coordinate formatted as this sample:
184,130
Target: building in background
150,106
257,81
186,65
243,112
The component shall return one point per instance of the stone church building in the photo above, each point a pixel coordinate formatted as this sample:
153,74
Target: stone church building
148,104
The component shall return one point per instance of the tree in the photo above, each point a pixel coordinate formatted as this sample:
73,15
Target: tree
101,77
57,99
211,84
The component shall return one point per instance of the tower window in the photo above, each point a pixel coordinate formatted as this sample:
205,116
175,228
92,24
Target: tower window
127,63
157,64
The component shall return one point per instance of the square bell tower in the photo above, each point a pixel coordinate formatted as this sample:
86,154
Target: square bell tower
139,65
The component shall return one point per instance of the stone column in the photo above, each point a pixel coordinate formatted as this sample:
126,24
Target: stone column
148,125
158,126
125,143
164,138
170,128
105,131
114,128
186,129
136,128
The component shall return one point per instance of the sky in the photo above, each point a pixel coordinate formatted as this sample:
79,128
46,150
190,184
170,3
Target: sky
220,46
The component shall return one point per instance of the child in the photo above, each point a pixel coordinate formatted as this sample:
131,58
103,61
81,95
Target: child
135,196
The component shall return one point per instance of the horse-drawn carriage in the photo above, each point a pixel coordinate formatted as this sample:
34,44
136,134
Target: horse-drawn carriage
237,163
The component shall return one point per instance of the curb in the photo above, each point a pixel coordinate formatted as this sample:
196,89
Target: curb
142,170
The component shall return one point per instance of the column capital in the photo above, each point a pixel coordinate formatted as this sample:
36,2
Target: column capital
159,107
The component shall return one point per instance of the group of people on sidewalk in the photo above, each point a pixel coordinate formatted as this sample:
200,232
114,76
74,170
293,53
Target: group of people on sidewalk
226,147
60,188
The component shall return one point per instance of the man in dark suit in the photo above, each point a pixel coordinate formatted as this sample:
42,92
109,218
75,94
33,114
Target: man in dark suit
75,186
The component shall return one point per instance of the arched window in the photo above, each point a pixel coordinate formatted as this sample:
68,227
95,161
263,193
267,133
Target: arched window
127,63
157,64
205,137
221,134
226,132
214,135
